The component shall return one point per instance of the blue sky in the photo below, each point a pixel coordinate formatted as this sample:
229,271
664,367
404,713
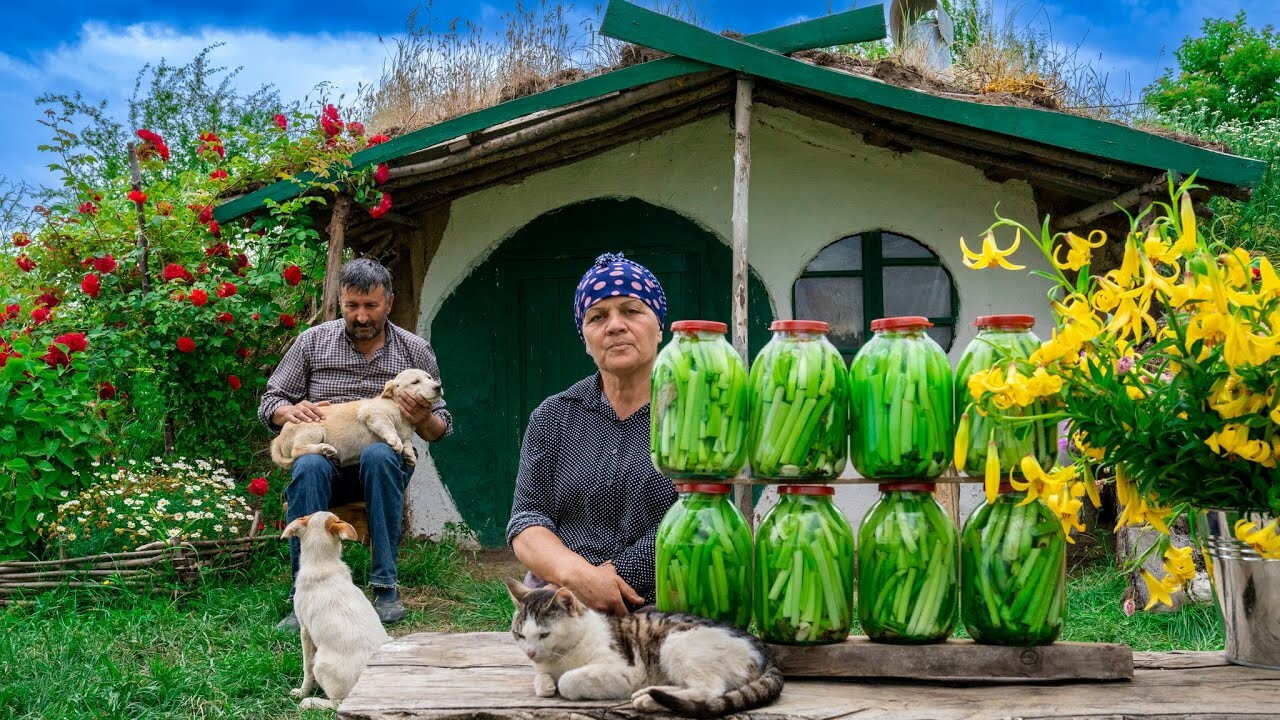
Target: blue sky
97,48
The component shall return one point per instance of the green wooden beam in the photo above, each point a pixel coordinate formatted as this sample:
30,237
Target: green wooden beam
1107,140
838,29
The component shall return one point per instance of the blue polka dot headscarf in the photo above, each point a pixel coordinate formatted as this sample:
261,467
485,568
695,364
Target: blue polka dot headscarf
612,275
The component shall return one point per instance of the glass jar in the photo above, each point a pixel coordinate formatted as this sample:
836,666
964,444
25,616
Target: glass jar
907,574
698,418
799,423
1001,337
703,549
900,402
804,568
1013,572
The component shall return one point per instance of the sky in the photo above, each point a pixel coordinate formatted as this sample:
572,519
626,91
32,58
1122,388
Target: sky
97,48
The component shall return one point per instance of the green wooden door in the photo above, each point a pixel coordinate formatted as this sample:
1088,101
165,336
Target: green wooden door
505,338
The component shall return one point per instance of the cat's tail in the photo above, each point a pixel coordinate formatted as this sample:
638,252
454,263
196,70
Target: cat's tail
757,693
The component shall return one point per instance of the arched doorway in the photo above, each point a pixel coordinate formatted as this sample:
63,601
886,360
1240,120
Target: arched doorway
505,338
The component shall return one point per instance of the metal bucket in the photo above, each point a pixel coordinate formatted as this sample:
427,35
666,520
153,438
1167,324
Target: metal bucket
1247,586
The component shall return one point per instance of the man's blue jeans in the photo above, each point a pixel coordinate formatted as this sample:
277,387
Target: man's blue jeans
318,483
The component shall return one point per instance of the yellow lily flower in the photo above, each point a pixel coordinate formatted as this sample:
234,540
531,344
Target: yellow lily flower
991,255
1265,541
991,481
1179,564
962,441
1065,504
1269,280
1187,226
1159,593
1079,250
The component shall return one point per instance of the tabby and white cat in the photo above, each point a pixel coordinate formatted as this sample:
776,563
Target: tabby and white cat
677,663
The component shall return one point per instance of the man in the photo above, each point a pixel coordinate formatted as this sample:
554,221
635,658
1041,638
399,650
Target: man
351,359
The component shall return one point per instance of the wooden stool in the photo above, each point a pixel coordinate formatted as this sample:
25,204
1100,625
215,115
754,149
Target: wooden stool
356,515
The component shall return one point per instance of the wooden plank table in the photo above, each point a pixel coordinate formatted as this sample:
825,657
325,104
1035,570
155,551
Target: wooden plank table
482,676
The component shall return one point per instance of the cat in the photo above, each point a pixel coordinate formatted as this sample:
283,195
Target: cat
665,662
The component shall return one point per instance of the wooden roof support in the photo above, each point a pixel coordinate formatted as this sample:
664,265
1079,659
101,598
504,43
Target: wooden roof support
333,264
742,112
1124,201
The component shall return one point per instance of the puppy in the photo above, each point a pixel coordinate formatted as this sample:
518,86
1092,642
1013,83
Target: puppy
350,427
340,628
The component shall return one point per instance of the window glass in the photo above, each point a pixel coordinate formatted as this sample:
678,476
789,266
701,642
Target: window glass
836,301
843,254
917,290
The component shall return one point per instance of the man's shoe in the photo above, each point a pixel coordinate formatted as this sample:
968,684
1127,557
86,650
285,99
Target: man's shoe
387,603
289,623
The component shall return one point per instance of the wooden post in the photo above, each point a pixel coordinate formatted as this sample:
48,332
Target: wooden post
333,265
741,193
135,182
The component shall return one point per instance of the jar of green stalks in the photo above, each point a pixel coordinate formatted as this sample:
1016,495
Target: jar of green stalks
900,402
799,423
703,548
1013,572
698,418
907,574
804,568
1001,338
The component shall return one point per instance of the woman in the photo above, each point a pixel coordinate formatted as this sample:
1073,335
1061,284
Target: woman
588,499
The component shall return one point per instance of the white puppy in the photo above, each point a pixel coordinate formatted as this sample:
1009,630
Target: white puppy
348,428
340,628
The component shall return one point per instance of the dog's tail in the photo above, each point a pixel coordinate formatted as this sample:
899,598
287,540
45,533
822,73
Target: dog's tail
277,453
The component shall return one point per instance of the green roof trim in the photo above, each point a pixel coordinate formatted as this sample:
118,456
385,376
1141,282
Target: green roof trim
842,28
635,24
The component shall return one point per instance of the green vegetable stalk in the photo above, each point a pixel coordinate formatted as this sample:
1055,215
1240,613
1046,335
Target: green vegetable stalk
900,403
907,556
1013,572
698,418
804,570
703,563
798,425
995,345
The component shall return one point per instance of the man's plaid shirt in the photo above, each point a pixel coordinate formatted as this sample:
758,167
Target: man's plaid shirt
324,365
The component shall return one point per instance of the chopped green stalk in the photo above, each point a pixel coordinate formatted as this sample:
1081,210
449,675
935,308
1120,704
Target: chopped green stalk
708,572
794,381
698,407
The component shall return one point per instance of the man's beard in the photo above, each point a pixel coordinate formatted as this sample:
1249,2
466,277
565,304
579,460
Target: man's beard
376,331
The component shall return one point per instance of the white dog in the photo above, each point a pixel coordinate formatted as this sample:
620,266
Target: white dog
348,428
340,628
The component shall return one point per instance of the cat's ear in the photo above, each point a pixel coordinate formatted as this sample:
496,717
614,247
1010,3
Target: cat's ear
517,589
567,600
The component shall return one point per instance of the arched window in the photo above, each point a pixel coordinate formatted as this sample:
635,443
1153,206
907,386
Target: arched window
871,275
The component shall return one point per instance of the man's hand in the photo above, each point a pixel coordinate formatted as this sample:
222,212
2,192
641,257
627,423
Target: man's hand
600,588
419,413
305,411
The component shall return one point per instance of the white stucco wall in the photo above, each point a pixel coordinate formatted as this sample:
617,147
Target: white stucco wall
811,184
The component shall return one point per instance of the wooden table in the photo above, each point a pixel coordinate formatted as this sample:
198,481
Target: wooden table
482,676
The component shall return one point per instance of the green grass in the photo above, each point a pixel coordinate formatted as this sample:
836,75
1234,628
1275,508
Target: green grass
213,652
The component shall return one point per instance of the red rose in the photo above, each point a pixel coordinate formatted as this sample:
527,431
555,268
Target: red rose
206,214
156,142
137,196
377,140
211,142
382,208
330,122
179,296
242,352
226,317
25,263
293,274
174,271
214,229
218,249
355,128
226,290
203,269
164,208
75,342
382,174
88,208
281,121
199,297
104,264
258,486
55,357
21,239
186,344
228,332
106,391
234,382
40,315
255,316
242,260
48,299
287,320
11,311
91,285
218,174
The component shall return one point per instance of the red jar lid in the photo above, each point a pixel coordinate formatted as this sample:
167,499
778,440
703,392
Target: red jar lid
908,486
713,488
800,326
899,323
699,325
806,490
1017,322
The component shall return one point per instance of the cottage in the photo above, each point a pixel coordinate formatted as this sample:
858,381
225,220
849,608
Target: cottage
859,191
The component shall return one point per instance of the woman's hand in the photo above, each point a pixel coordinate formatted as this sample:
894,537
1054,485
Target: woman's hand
600,588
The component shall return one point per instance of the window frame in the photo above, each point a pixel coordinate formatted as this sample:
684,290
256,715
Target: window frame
872,276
